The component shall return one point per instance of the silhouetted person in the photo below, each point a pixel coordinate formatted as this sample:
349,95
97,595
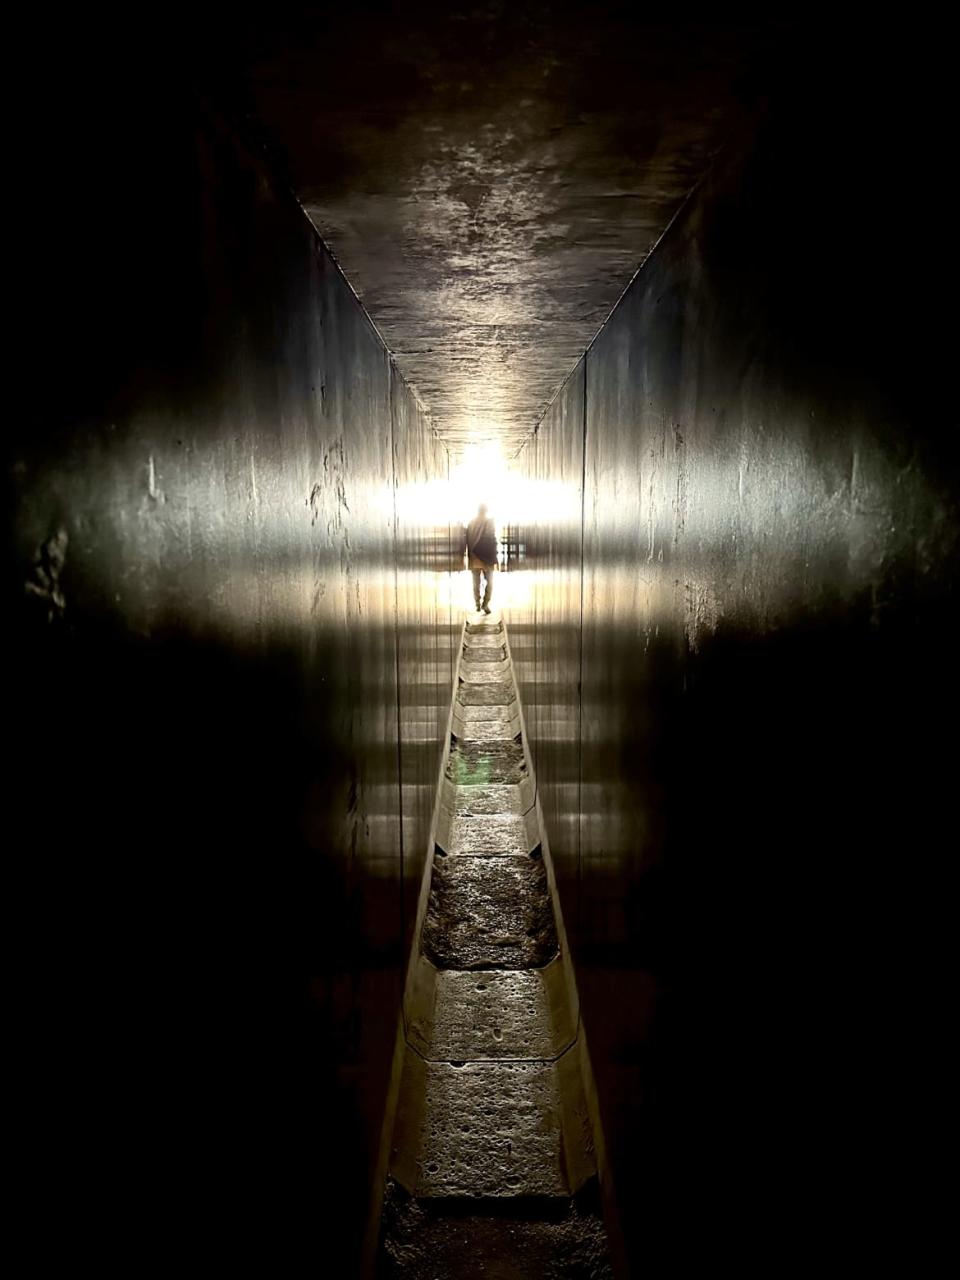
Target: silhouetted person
481,545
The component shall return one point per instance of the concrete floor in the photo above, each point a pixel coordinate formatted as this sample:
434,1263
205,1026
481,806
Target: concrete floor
493,1170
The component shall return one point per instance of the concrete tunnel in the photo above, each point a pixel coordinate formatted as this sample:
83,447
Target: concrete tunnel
353,933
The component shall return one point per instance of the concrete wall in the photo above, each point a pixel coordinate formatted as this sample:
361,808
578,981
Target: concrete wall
739,747
231,675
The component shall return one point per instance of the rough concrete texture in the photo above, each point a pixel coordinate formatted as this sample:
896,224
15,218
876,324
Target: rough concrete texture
473,694
499,727
477,643
474,763
495,174
482,672
495,798
496,833
494,1014
516,1240
473,654
503,711
492,1129
489,913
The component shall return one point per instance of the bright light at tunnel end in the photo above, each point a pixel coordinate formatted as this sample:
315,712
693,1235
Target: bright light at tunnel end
481,474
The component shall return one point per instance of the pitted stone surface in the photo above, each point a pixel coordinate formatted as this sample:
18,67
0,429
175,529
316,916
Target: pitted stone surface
457,1239
489,913
496,728
499,834
476,764
492,798
492,1014
470,714
491,1130
486,695
475,653
477,643
484,672
485,629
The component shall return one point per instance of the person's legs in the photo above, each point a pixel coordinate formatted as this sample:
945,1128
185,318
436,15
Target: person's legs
488,574
476,587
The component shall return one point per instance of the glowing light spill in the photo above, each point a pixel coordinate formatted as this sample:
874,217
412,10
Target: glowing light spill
482,475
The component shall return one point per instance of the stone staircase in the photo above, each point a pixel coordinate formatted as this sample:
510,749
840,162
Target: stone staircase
492,1168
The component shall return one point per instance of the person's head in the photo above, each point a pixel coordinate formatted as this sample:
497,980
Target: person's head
482,509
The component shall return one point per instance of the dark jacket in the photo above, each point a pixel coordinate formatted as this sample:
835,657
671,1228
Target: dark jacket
481,542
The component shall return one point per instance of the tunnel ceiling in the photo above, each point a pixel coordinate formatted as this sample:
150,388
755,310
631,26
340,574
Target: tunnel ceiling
491,177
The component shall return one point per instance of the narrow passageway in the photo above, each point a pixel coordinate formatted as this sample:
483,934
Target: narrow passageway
604,935
492,1164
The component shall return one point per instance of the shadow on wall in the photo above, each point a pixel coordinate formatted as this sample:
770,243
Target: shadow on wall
193,960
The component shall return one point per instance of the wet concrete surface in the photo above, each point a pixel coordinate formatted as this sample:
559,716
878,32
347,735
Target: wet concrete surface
477,763
489,913
487,727
483,672
494,799
487,694
501,833
491,1109
449,1240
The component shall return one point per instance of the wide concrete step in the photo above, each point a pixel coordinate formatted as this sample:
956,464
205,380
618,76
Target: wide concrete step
496,641
496,728
489,913
489,798
490,1015
490,1129
473,764
437,1239
476,693
480,649
491,626
484,672
501,834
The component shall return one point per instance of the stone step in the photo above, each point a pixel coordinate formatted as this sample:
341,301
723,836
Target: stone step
475,1016
476,764
491,1129
490,654
476,694
485,673
491,798
478,641
488,627
436,1239
489,913
500,727
499,835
